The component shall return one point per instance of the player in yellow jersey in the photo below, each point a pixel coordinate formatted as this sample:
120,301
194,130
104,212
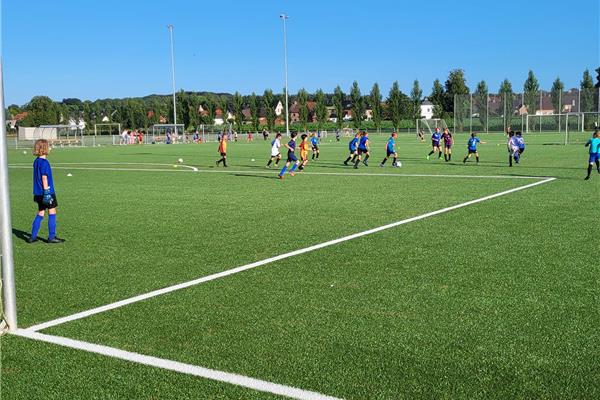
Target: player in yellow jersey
223,150
303,152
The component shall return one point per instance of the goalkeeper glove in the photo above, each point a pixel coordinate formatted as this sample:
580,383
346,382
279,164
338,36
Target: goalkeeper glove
47,199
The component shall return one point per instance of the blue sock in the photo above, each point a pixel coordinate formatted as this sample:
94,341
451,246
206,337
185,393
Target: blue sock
35,227
294,167
283,170
51,226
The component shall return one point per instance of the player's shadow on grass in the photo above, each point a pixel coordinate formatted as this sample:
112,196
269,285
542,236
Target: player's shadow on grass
264,176
24,236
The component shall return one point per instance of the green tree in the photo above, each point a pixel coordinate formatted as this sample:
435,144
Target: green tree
376,108
320,108
437,98
587,92
456,85
224,106
302,99
338,105
556,95
394,103
416,97
41,110
480,100
531,89
358,105
210,106
269,105
507,99
238,107
254,111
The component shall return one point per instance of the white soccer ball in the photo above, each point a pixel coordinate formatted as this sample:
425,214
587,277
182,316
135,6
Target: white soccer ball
69,174
398,164
180,161
253,160
24,152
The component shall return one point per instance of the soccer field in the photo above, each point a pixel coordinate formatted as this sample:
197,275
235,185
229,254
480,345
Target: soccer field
433,280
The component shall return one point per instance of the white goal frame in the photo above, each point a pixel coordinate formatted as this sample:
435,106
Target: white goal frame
430,124
109,124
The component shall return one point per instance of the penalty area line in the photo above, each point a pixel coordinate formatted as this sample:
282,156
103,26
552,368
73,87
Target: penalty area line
270,260
175,366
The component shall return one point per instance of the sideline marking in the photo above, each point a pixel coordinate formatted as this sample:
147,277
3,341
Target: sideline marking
169,289
272,172
188,369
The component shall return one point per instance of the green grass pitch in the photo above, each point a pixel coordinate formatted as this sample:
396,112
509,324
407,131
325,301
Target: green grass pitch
498,299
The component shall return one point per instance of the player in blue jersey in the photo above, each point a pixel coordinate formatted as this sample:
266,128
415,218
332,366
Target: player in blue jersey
436,136
594,145
472,147
291,157
314,142
520,142
390,150
353,148
43,193
363,148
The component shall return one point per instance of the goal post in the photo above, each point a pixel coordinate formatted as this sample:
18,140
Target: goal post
8,302
108,128
429,124
579,126
160,131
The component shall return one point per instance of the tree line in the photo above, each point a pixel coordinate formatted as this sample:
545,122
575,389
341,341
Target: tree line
255,111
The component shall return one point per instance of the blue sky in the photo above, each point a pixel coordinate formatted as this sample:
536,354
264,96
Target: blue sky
99,49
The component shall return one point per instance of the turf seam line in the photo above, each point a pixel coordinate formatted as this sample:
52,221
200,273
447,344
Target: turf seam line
273,172
270,260
175,366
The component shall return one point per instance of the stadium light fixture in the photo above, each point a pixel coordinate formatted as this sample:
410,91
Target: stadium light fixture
170,27
284,18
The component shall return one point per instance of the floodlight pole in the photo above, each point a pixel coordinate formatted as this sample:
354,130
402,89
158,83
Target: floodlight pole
170,27
284,17
6,249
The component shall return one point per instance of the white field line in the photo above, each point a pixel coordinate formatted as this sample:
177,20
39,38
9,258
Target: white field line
255,264
271,172
221,376
59,165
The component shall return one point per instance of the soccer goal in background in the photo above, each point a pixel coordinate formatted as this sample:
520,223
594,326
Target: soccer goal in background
429,125
579,126
159,133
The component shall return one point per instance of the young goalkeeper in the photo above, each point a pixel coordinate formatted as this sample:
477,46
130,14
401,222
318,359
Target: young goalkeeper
43,193
594,144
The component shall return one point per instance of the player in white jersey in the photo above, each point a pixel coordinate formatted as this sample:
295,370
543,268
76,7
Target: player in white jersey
275,151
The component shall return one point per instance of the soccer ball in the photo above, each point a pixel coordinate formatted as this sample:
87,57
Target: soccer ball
398,164
253,160
180,161
24,152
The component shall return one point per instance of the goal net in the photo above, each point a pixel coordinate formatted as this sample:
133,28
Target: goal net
166,133
56,135
109,129
429,125
580,126
212,133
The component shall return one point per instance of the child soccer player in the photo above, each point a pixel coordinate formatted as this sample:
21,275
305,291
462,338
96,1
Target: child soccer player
436,136
291,157
448,142
314,141
303,152
275,152
222,151
520,142
43,193
353,147
363,148
594,144
472,147
513,149
337,135
390,149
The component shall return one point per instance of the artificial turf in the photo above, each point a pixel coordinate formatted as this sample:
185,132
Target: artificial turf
494,300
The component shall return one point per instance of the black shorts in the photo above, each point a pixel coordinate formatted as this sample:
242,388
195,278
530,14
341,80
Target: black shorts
472,151
391,153
435,144
315,148
39,199
521,150
362,151
223,154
